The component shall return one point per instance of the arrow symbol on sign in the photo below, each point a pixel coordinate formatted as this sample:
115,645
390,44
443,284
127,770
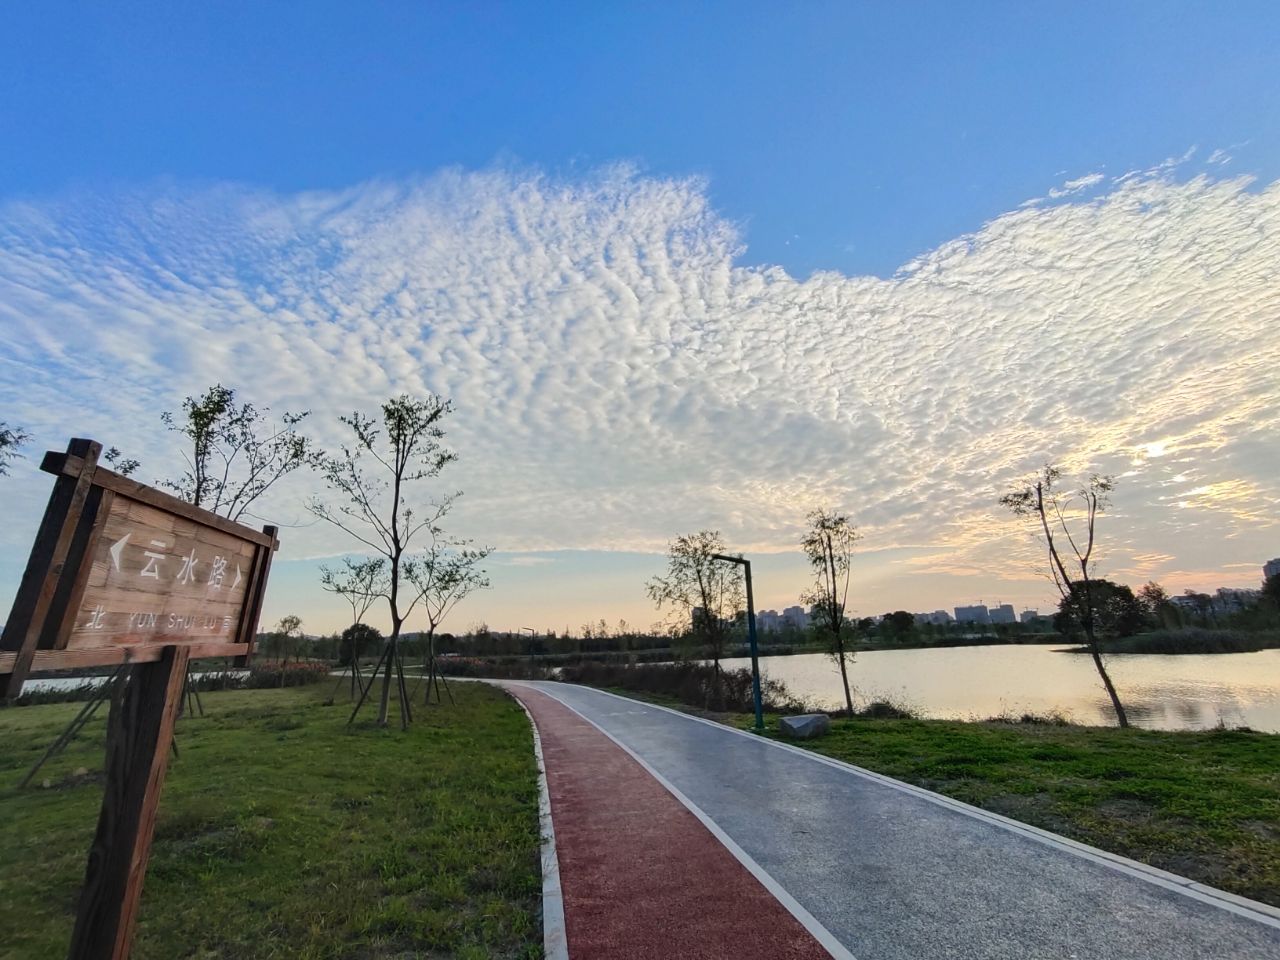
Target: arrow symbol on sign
235,583
117,548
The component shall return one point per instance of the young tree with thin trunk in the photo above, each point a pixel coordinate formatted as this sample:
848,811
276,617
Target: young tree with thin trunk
358,581
704,593
379,476
444,575
235,456
1050,510
828,543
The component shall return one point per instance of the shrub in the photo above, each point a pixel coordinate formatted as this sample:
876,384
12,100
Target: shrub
1194,640
1054,718
697,684
520,669
886,710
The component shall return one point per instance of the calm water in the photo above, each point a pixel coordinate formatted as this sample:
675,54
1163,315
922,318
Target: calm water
72,683
1168,693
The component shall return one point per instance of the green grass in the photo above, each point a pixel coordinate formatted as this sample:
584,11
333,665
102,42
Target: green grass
282,833
1202,804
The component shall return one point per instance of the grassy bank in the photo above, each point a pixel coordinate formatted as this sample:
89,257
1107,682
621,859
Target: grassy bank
1191,640
282,833
1202,804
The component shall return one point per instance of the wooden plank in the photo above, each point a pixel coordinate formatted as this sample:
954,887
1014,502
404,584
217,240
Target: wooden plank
257,590
65,464
139,735
46,563
49,660
97,509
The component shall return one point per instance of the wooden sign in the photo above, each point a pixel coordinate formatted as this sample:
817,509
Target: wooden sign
123,573
121,570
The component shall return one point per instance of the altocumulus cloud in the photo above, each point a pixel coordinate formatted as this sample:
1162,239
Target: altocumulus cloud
619,377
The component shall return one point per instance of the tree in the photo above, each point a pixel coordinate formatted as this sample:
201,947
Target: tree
443,575
356,640
1116,611
1042,503
11,438
898,625
828,543
288,630
1202,602
1154,601
703,592
378,475
1271,590
234,457
119,463
358,581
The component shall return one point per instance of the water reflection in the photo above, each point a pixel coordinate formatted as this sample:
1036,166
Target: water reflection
1160,692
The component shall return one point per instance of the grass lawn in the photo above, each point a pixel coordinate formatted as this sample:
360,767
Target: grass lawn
1202,804
282,833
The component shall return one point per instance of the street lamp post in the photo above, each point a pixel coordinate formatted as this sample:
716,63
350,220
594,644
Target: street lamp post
533,636
751,635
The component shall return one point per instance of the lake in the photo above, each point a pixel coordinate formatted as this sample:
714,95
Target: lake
1188,692
39,684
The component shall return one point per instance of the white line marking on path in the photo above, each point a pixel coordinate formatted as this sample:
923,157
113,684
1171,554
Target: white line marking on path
807,920
1230,902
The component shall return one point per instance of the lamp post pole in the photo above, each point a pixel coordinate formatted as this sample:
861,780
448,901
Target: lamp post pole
751,636
533,636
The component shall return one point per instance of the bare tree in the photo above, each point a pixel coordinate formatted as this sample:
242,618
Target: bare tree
378,476
828,543
11,438
1050,509
235,456
704,592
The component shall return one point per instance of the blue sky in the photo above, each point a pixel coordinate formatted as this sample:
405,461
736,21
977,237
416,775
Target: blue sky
841,136
597,227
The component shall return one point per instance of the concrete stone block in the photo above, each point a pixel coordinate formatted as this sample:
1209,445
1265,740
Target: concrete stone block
805,726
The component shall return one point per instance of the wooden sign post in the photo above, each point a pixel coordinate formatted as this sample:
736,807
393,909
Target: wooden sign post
123,573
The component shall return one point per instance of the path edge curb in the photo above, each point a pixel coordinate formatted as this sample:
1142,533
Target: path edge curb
555,941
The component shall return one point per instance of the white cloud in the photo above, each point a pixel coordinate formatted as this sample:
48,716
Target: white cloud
1076,186
619,379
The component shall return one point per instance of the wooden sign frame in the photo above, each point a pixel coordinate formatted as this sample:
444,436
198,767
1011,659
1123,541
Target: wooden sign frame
47,630
37,634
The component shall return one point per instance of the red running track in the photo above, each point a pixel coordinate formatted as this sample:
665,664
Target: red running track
641,876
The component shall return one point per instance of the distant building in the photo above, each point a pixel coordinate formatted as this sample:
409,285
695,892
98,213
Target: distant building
1271,568
796,616
974,614
1003,614
1029,616
768,621
939,618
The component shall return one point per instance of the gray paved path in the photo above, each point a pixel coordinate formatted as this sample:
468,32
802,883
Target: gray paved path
891,872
